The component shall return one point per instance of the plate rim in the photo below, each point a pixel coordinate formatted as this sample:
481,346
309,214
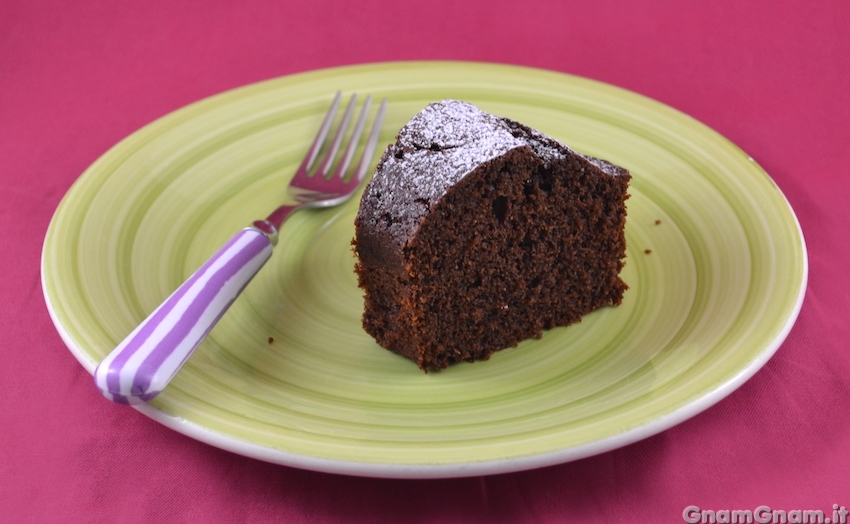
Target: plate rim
452,470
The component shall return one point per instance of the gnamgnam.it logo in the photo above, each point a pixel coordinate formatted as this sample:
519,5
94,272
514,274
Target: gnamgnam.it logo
764,515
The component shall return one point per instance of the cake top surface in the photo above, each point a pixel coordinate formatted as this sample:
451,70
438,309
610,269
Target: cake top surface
436,149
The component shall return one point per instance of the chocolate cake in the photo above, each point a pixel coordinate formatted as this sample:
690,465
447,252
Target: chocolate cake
477,232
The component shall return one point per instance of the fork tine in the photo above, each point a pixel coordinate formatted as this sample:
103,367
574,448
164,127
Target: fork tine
369,150
337,140
310,157
354,139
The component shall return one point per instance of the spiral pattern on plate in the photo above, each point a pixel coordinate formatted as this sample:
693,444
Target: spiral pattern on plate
716,266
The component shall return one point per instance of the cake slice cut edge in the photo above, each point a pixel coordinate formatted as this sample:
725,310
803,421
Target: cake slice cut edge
478,232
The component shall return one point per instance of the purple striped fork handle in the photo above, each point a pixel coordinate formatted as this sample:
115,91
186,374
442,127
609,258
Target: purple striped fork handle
144,363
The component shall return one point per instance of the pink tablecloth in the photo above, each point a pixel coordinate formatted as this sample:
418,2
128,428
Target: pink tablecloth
76,77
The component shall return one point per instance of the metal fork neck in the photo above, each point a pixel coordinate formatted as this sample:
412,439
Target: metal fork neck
267,228
271,225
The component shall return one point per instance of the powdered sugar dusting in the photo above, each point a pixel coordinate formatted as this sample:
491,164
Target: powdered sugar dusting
436,149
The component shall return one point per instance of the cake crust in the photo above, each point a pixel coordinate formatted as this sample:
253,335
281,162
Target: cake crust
478,232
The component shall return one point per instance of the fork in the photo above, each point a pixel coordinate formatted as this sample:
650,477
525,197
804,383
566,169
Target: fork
144,363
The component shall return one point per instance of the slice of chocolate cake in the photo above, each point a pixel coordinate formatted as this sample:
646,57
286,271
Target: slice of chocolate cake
477,232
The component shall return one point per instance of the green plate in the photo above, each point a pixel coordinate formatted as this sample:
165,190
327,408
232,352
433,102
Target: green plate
716,267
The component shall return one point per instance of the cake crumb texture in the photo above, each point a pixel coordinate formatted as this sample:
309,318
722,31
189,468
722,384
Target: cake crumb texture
477,232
